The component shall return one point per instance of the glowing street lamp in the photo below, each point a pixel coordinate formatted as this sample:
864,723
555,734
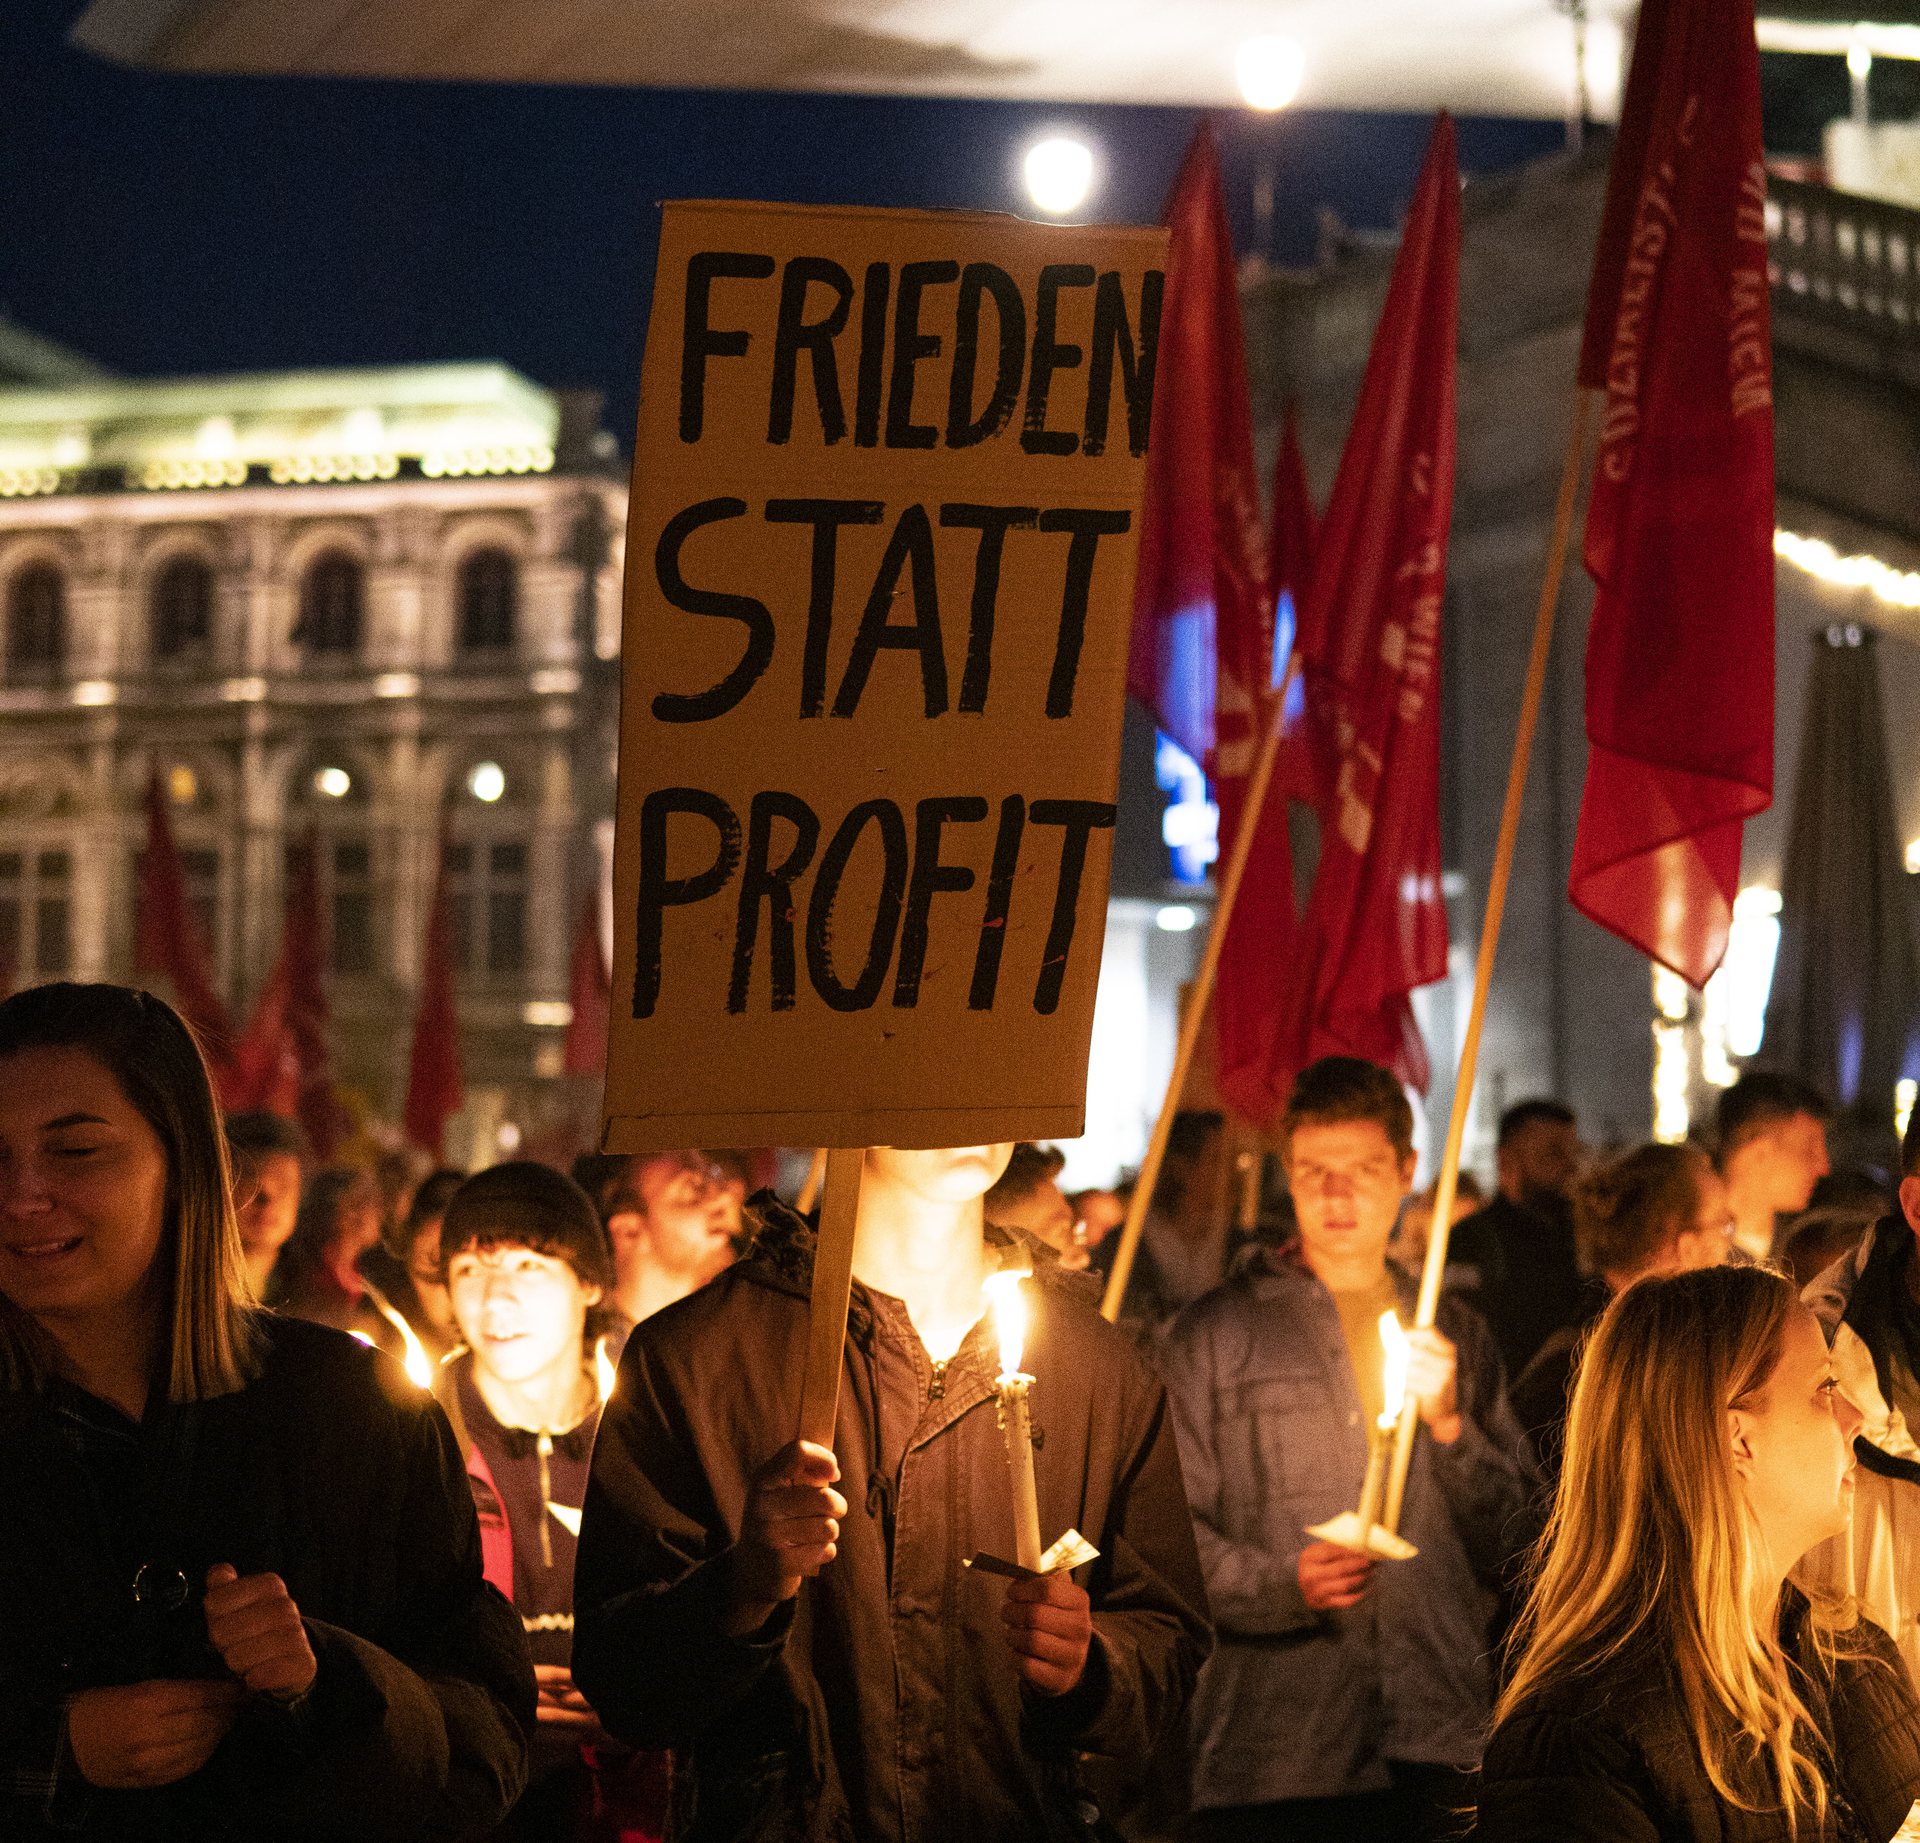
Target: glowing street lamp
1059,174
1270,70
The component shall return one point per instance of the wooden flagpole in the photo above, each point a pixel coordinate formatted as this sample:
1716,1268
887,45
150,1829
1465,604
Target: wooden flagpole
832,1293
1202,993
1448,1182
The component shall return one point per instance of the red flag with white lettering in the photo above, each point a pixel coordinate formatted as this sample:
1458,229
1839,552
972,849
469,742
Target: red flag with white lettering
1256,958
169,938
1197,584
1679,537
1376,923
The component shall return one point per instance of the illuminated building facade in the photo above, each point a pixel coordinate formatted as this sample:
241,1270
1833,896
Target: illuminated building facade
366,604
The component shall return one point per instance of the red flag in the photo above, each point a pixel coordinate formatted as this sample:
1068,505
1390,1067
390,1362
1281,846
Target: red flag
1679,534
1256,959
305,952
1376,924
284,1063
169,940
590,991
435,1088
1201,550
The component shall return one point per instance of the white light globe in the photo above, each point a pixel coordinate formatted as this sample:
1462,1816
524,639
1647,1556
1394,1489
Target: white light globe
487,782
1270,70
334,783
1059,174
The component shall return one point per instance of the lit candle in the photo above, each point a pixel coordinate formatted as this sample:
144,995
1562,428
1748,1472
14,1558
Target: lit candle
1016,1417
1393,1393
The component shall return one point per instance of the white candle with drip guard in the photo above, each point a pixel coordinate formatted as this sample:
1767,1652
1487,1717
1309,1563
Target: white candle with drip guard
1016,1418
1393,1394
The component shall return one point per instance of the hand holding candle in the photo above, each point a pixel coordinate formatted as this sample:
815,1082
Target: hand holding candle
1432,1379
1393,1395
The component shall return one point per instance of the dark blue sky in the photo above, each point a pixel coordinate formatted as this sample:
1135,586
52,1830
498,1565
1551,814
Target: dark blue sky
176,224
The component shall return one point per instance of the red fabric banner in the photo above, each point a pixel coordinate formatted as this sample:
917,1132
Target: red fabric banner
1197,586
1679,537
283,1063
590,992
436,1088
1376,923
169,941
1250,1002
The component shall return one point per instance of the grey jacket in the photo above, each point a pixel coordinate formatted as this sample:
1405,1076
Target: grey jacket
1296,1703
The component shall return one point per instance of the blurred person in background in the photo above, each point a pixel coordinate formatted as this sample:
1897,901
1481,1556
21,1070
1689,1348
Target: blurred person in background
1868,1303
405,1269
674,1221
1822,1236
1516,1255
1027,1195
318,1277
1408,1249
1675,1679
1772,1133
1657,1209
240,1576
526,1265
1187,1240
1097,1214
269,1156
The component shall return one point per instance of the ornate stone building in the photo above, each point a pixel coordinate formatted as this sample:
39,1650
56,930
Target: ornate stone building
368,603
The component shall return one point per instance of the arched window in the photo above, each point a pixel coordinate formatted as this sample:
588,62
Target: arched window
489,587
332,601
37,623
183,610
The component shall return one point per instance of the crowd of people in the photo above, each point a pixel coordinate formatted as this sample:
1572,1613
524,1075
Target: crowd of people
368,1504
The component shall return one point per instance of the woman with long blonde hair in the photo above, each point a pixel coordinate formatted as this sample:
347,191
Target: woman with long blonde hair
1671,1685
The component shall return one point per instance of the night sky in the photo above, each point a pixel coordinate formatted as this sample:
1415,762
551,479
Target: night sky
169,224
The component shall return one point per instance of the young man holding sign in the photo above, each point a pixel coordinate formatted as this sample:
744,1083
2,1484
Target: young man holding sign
800,1624
880,556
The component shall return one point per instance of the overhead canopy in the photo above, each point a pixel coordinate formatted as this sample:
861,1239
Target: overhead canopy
1499,57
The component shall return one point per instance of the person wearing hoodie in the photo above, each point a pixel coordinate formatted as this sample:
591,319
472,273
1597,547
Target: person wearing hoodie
1868,1304
800,1625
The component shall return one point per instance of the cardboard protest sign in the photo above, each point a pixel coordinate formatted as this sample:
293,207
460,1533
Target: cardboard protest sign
880,556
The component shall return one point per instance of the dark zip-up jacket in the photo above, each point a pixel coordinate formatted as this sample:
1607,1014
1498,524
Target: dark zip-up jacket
1607,1757
330,1470
1299,1703
883,1704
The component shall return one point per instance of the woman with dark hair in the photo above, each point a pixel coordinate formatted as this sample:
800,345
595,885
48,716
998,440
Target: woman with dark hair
1671,1684
240,1578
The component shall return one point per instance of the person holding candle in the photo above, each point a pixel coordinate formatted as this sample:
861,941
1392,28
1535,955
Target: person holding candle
1347,1697
800,1625
241,1594
1672,1683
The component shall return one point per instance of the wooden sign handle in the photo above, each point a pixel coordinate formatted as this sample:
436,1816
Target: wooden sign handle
832,1291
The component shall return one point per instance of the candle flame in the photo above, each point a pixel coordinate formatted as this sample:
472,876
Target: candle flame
1009,1317
603,1369
415,1361
1394,1390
